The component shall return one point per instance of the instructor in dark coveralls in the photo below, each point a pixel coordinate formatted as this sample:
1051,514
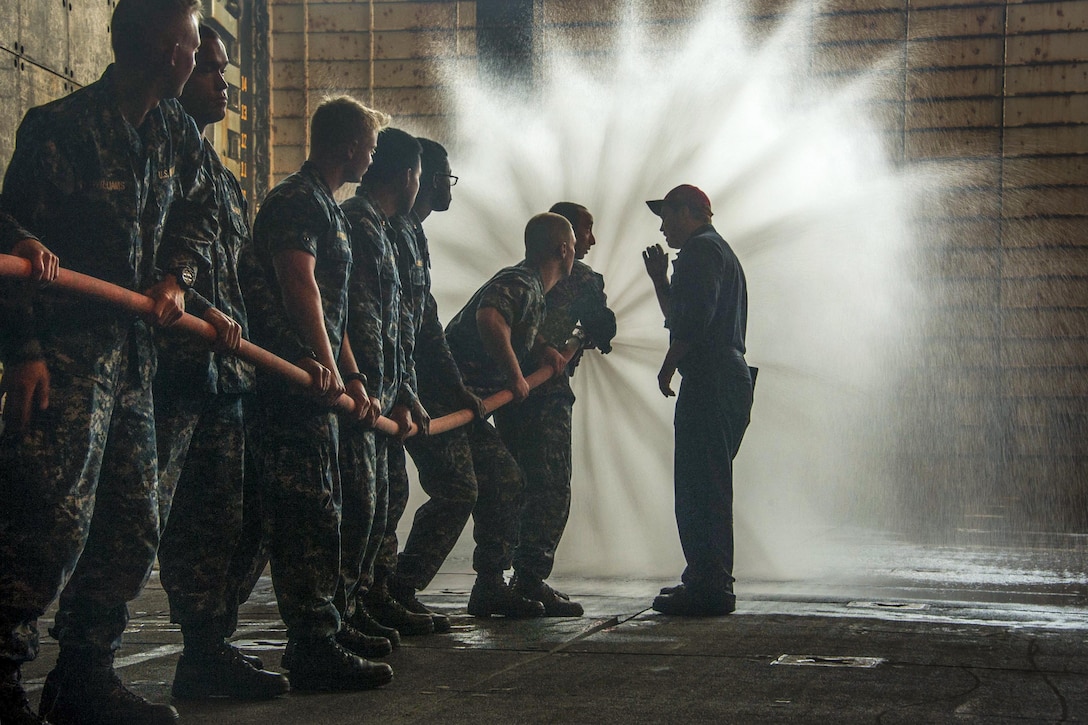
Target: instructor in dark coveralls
706,311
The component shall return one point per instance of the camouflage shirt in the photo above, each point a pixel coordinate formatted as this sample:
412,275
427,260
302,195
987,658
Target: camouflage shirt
96,191
301,214
374,303
10,233
184,363
416,283
578,299
436,377
518,294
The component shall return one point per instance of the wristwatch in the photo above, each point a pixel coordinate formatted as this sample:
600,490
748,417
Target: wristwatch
186,276
361,377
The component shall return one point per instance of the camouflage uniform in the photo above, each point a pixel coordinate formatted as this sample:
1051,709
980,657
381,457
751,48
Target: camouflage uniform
375,329
444,462
538,431
296,437
201,438
518,294
11,232
260,293
14,295
96,191
415,281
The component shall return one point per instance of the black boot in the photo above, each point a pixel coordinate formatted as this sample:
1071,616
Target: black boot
322,664
204,634
685,601
223,671
365,623
405,595
14,707
391,613
556,604
91,693
490,596
365,645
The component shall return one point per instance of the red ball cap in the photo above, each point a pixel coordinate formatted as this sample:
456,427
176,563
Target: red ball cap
683,195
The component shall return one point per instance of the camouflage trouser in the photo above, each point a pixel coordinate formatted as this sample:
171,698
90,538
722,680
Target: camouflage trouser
359,464
250,557
446,475
78,502
201,442
499,484
296,462
537,433
397,470
381,514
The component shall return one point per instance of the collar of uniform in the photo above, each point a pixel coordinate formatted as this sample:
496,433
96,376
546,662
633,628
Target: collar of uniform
310,170
152,132
375,207
700,231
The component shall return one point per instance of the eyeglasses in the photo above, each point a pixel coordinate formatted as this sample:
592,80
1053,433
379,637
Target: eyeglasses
449,177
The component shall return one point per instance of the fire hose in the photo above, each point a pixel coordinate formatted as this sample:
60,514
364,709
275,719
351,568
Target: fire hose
101,291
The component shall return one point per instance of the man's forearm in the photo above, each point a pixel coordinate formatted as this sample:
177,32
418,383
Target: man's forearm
495,335
677,350
661,290
302,300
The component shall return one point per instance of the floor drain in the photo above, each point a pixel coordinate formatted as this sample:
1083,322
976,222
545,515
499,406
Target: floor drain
889,605
824,661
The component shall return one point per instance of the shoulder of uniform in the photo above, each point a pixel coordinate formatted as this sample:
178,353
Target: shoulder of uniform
705,241
584,270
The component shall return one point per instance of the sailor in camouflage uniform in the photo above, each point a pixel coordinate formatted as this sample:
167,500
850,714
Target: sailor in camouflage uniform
93,176
538,432
376,325
492,338
444,462
201,437
302,244
382,605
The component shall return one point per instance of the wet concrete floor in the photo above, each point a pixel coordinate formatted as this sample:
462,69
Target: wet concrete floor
959,633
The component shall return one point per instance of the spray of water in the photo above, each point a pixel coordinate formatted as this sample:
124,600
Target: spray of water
802,190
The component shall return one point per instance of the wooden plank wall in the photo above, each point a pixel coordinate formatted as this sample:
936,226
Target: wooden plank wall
387,54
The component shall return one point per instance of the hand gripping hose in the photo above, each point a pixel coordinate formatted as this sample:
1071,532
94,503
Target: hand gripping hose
96,289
